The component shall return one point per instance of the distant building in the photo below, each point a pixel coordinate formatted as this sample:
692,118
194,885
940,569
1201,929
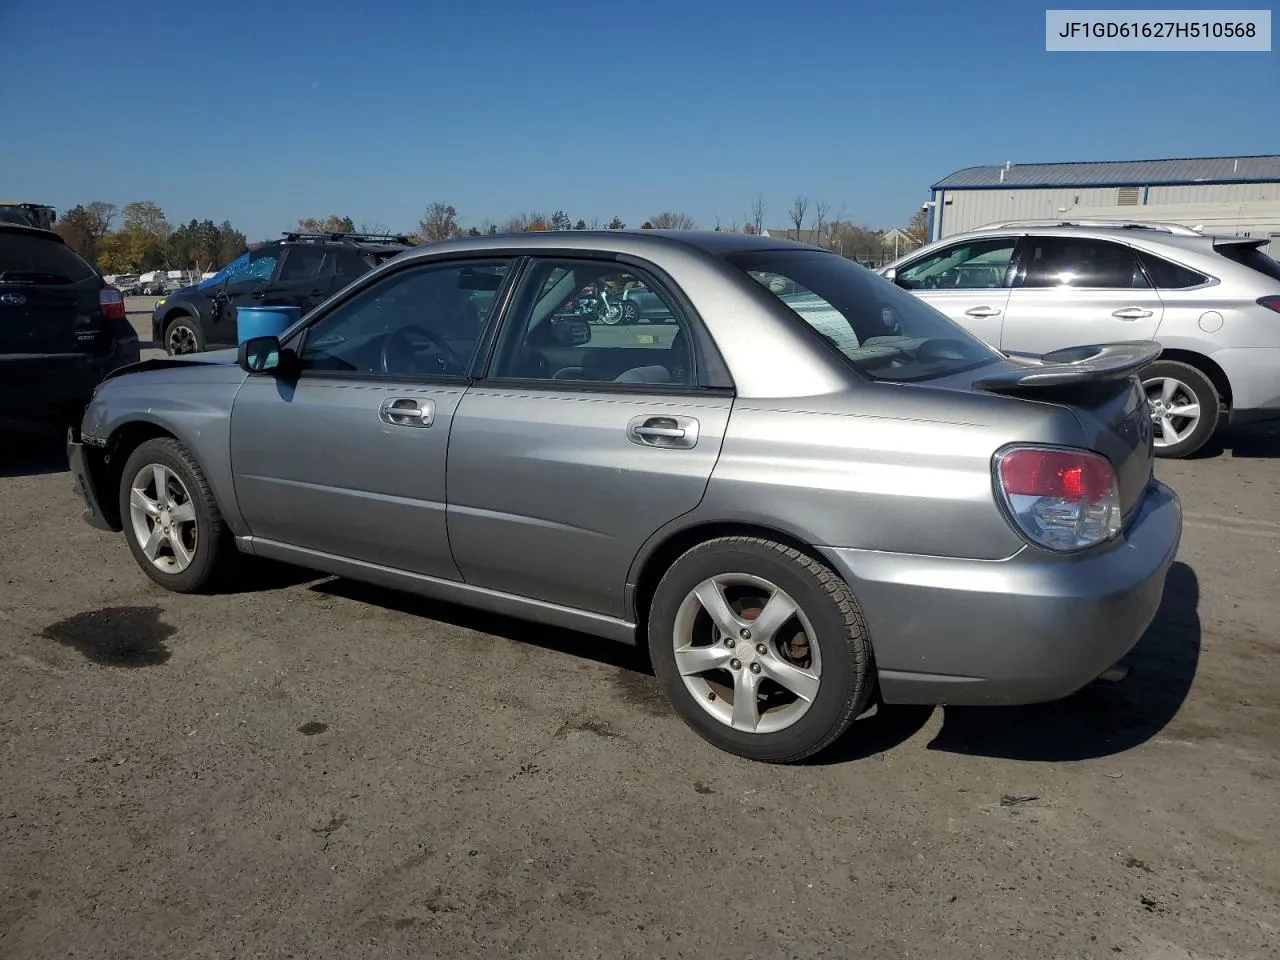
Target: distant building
1232,195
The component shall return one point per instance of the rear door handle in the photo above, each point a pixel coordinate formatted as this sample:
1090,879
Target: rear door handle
678,433
1131,313
407,412
982,312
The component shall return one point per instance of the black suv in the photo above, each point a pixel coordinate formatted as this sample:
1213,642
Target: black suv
301,270
62,328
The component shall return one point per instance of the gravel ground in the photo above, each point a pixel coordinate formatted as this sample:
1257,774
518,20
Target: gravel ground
323,769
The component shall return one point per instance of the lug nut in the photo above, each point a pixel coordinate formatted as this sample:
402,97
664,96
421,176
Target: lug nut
761,649
755,668
728,642
745,634
736,664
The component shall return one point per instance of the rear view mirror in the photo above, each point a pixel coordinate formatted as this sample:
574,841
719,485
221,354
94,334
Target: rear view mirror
260,355
570,331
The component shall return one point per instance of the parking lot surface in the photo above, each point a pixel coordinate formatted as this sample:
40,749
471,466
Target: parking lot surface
316,768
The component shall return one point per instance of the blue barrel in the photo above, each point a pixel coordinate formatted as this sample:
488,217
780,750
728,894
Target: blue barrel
264,321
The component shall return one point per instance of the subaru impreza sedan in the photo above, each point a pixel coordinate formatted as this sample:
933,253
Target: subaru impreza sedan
808,491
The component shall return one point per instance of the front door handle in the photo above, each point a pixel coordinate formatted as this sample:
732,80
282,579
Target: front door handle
982,312
407,412
1132,313
258,295
678,433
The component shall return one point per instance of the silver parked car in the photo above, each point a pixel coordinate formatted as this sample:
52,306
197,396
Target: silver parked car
1213,304
809,489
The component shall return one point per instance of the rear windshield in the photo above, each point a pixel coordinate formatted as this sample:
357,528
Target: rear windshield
1248,255
33,259
883,331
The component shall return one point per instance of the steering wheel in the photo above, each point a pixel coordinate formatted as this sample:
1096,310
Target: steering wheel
397,342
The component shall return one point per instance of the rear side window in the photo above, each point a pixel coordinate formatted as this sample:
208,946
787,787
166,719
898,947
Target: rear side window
1248,255
30,258
883,331
1169,276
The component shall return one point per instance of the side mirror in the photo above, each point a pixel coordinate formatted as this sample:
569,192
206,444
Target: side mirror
260,355
891,275
570,331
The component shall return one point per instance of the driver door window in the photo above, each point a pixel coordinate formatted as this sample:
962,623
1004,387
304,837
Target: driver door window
968,282
422,321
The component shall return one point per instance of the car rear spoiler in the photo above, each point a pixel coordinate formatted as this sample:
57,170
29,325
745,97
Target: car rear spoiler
1085,366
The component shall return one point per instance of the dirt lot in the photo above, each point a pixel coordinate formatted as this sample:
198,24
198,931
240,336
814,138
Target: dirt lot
322,769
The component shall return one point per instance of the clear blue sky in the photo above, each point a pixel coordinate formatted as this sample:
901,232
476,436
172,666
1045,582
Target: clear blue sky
263,112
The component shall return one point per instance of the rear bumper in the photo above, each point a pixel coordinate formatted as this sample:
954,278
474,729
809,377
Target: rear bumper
1029,629
84,485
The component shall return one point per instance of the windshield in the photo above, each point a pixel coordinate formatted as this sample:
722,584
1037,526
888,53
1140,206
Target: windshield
883,331
236,265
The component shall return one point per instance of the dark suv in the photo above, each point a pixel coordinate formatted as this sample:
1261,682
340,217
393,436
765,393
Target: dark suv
301,270
62,328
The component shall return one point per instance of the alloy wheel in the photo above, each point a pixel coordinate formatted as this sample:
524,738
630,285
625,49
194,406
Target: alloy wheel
163,518
182,339
747,653
1175,409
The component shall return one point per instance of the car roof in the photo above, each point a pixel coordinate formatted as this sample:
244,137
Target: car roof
23,228
635,242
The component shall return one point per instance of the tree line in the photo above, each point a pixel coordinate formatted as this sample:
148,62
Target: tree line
145,240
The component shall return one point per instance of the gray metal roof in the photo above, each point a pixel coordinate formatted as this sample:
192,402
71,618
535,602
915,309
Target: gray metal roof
1118,173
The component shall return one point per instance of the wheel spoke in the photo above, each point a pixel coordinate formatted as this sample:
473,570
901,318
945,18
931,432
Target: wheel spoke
1167,391
802,683
1169,431
694,660
712,599
183,512
746,709
779,609
152,547
140,501
160,477
1186,410
180,552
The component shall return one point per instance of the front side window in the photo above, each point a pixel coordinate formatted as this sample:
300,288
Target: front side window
1081,263
971,265
569,323
884,332
425,320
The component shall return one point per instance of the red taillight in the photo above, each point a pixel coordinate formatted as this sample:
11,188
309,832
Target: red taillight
111,301
1271,303
1060,498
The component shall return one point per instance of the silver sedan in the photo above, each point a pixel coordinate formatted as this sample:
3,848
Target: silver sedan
806,491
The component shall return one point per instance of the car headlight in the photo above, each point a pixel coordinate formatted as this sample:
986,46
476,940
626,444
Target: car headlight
160,302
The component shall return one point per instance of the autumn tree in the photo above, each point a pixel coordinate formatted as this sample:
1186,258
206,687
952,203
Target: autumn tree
646,225
439,222
669,220
330,224
918,226
85,226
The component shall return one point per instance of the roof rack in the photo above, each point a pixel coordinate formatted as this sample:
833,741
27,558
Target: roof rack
358,237
1176,229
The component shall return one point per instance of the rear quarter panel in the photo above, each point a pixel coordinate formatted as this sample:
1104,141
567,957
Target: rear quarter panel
192,403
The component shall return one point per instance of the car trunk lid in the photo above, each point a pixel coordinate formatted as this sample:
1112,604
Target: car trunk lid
1099,385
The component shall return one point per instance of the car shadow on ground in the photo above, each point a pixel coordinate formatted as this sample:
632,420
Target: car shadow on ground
31,450
620,655
1258,442
1101,720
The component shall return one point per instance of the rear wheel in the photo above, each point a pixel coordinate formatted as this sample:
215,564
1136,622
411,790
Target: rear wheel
1185,407
760,648
171,521
182,335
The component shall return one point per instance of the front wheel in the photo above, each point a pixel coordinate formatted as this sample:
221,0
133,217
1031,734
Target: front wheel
182,335
171,521
1185,407
760,648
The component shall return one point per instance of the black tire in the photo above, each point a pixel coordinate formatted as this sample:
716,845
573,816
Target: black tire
187,330
215,554
1202,392
630,312
847,670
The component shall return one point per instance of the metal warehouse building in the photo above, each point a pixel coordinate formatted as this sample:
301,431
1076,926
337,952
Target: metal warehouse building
1226,195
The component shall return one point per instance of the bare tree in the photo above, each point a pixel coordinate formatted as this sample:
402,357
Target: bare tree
755,216
373,227
594,223
820,210
439,222
799,207
918,226
669,220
